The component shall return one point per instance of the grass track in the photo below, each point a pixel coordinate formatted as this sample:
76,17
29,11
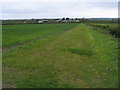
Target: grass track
46,64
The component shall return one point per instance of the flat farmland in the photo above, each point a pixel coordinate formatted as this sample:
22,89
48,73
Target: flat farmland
17,34
59,56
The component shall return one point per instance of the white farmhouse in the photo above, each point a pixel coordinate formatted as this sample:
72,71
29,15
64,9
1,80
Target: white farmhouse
40,21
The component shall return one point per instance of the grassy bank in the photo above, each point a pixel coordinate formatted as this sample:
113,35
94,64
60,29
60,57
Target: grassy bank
113,28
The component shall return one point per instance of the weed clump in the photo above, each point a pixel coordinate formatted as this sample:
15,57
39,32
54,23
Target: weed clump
86,52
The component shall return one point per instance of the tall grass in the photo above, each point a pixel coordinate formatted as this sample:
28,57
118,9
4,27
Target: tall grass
111,28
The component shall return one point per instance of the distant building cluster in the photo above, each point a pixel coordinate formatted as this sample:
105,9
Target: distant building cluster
63,20
42,21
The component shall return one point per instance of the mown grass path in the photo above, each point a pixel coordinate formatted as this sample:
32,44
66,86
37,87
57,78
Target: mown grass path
50,63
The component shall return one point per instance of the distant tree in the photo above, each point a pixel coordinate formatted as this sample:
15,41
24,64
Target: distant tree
67,18
32,19
76,19
37,19
63,18
83,20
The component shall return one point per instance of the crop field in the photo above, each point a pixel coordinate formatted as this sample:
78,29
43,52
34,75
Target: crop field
66,55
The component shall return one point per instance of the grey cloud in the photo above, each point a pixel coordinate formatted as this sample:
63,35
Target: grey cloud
53,9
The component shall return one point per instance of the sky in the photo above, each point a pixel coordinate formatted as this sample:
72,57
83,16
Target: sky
27,9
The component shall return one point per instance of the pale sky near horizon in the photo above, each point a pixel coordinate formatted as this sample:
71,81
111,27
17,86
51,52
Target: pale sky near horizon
24,9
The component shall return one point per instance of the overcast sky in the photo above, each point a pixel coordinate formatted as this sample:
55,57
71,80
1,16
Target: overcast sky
18,9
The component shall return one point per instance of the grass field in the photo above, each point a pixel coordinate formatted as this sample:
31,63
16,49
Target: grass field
79,57
17,34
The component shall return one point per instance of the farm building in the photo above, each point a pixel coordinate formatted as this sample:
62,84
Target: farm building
76,21
65,21
45,21
58,20
40,21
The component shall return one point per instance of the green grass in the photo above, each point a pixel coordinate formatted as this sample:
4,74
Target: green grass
46,63
113,28
17,34
79,51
